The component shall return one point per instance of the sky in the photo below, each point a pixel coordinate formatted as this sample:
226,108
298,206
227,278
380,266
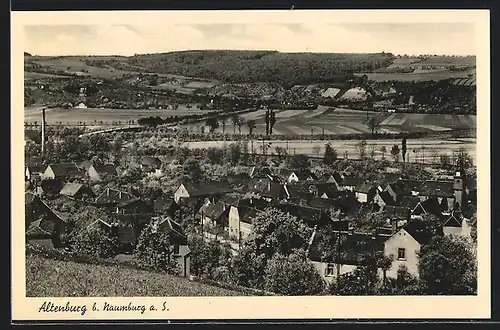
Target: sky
125,39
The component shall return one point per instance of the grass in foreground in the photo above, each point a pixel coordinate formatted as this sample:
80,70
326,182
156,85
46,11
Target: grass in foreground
53,278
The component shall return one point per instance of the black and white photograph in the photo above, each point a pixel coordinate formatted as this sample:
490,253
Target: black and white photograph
215,158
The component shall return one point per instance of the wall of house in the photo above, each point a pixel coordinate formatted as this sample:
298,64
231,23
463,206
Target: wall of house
362,197
402,239
293,178
48,174
93,174
234,222
321,268
245,229
378,200
181,192
452,231
184,261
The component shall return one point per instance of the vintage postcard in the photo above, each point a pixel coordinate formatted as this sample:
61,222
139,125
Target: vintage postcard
250,165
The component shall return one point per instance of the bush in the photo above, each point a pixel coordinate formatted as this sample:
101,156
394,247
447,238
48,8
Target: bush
94,243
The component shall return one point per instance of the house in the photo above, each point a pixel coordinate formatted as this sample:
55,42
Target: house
353,253
310,215
50,187
180,249
324,190
112,197
342,203
397,216
428,206
210,190
165,205
64,172
33,172
403,247
350,183
335,178
275,192
397,190
43,223
151,164
442,190
240,221
297,193
292,176
77,191
215,214
134,206
100,172
236,181
456,224
365,192
260,172
383,198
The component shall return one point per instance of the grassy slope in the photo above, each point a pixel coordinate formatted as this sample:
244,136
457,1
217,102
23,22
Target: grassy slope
51,278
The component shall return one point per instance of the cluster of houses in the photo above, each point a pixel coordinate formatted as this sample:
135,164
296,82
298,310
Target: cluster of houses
230,205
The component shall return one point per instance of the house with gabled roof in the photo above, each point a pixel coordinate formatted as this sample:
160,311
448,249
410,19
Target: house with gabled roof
383,198
151,164
112,197
77,191
275,192
404,246
355,249
63,171
443,191
165,205
100,172
33,172
179,248
324,189
215,214
260,172
293,176
240,220
350,183
134,205
206,190
365,192
428,206
454,223
297,193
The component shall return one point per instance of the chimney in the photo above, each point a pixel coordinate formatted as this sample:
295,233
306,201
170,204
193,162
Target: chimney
43,130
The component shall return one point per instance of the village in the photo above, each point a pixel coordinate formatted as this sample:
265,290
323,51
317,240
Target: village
339,216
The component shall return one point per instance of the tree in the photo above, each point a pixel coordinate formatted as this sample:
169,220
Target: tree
240,122
248,266
364,280
361,147
235,120
277,232
463,160
395,152
292,275
192,170
448,266
383,150
234,153
251,125
212,123
215,155
330,155
373,124
299,161
223,120
316,150
154,250
207,256
94,242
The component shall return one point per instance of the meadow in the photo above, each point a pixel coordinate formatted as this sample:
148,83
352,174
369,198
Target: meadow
417,76
419,151
345,121
82,280
93,116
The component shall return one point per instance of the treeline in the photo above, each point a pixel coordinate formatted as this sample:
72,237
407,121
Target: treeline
257,66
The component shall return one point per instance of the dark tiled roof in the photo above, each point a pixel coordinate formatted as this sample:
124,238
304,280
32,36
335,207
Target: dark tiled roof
326,188
71,189
410,201
151,161
386,197
277,191
304,174
418,231
307,214
206,189
105,169
411,185
364,188
397,212
351,181
215,211
437,188
298,191
257,171
163,204
247,214
67,169
35,168
432,206
453,220
113,196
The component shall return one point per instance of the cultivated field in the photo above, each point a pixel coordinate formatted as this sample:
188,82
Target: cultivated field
422,150
423,76
91,115
345,121
81,280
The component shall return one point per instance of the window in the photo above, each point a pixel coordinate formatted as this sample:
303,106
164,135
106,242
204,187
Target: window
401,254
176,249
330,269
